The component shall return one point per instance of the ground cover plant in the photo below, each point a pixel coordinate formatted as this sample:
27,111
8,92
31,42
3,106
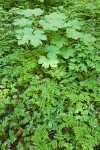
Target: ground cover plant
49,75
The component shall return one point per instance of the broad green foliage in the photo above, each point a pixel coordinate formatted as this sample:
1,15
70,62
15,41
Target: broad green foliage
50,75
54,21
22,22
30,12
52,57
50,61
27,35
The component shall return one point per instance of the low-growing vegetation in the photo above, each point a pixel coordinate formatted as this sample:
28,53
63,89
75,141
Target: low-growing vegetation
49,75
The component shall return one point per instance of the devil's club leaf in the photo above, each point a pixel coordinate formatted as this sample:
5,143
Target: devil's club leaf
38,37
22,22
50,61
44,61
23,35
37,11
27,35
54,21
30,12
25,30
75,24
26,12
67,52
58,40
52,49
88,39
72,33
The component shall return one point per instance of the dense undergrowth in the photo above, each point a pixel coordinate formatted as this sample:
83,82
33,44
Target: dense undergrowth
49,75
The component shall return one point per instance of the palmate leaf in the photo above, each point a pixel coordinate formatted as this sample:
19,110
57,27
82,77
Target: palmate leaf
38,37
75,24
52,49
67,52
25,30
50,61
58,40
37,11
56,15
23,35
72,33
30,12
88,39
27,35
54,21
22,22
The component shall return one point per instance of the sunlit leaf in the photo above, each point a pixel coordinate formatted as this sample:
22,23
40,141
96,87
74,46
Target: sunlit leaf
27,35
22,22
30,12
54,21
50,61
88,39
72,33
75,24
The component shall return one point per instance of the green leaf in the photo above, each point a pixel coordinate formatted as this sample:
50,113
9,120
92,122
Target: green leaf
25,30
38,37
54,21
50,61
23,35
22,22
58,40
75,24
52,49
83,67
73,66
27,35
67,52
37,11
88,39
52,54
26,12
79,107
20,146
72,33
30,12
